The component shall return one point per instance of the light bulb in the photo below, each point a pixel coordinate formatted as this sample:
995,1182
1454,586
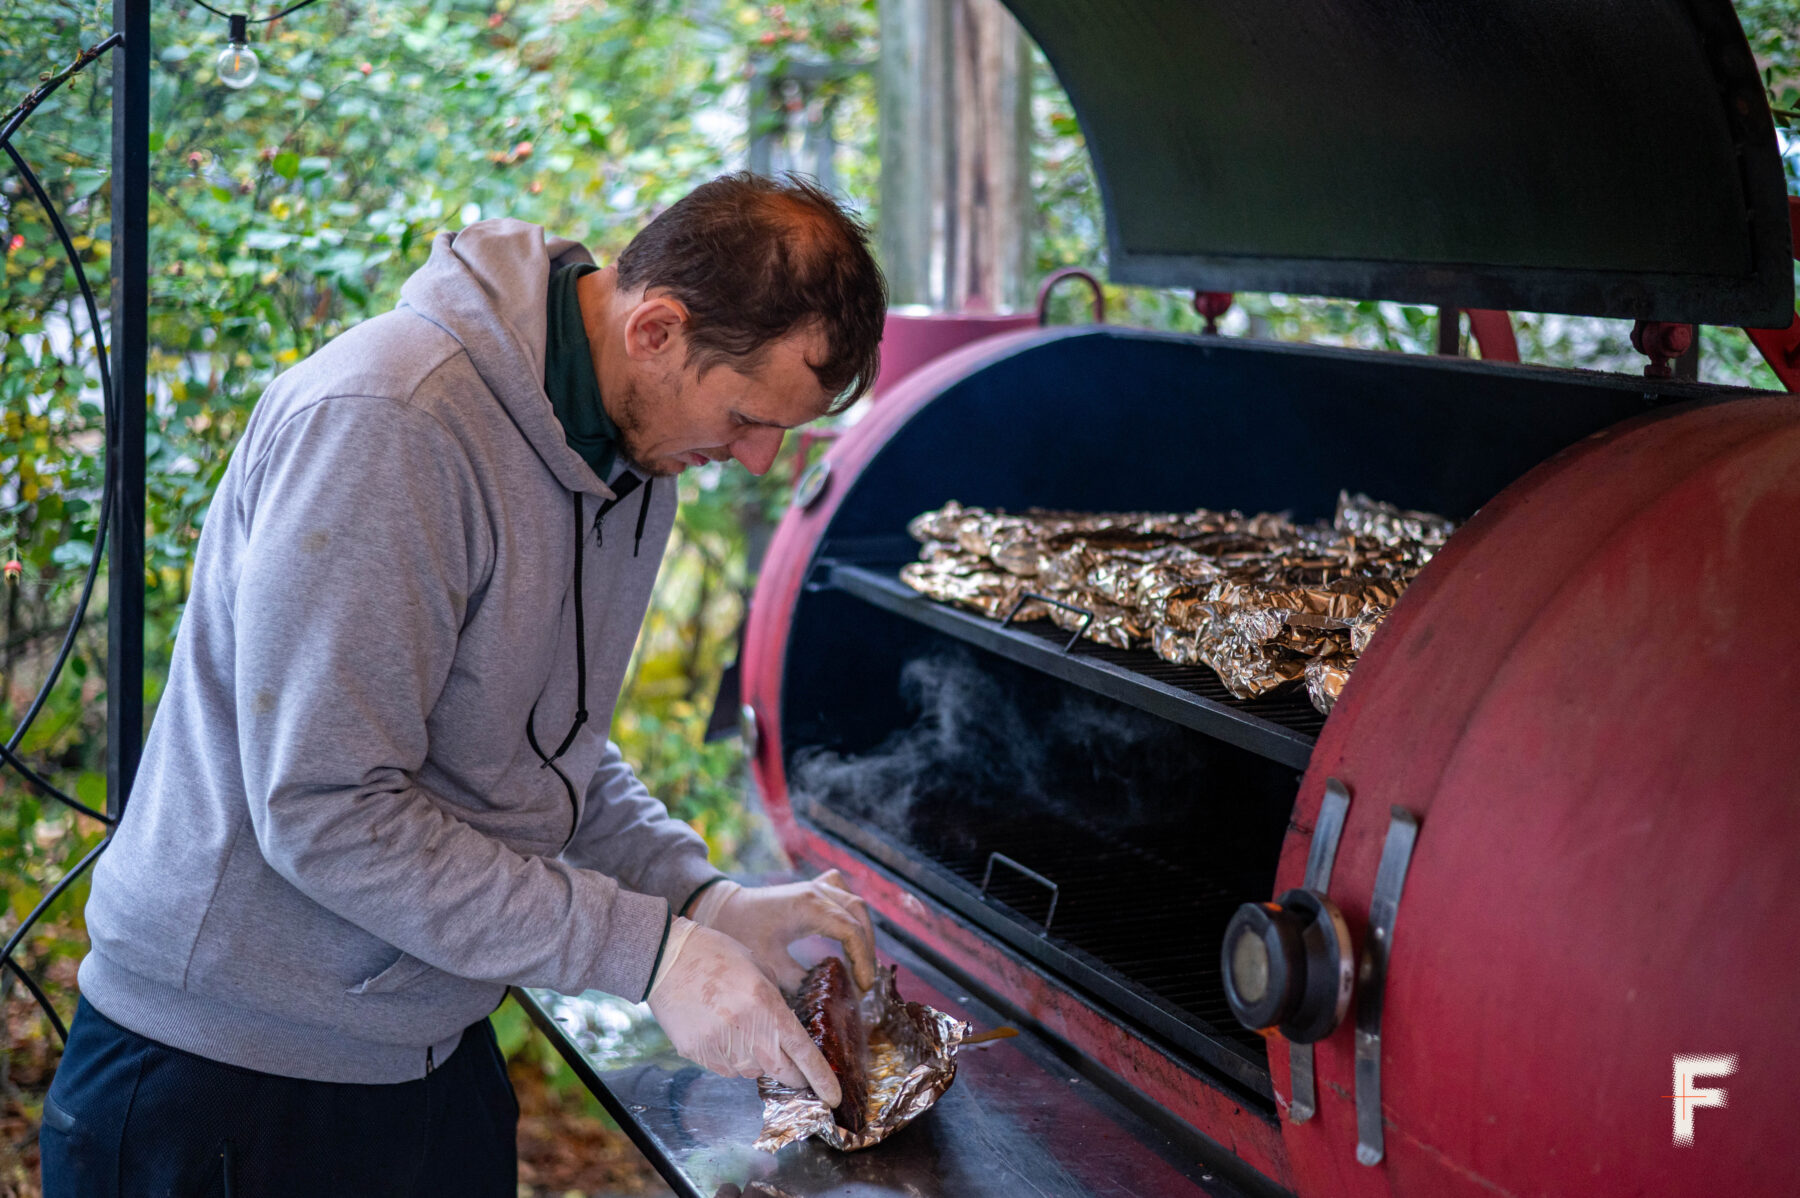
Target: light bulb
236,64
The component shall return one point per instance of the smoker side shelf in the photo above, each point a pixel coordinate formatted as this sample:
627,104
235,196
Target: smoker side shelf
1282,728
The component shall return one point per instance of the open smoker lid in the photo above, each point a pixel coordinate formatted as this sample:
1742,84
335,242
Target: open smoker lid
1605,157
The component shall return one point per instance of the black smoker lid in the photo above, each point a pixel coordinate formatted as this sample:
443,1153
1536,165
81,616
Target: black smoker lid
1606,157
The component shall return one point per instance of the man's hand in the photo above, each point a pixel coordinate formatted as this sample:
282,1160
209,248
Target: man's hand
723,1014
766,919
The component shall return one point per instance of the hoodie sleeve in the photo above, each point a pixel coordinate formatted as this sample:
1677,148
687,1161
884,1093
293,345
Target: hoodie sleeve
365,537
630,835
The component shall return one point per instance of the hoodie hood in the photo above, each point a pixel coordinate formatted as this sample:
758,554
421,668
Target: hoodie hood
488,286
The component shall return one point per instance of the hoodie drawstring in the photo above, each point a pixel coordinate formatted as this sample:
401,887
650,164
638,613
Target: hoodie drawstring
625,486
637,542
581,711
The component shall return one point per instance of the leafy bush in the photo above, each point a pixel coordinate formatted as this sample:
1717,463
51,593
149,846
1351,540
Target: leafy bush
287,212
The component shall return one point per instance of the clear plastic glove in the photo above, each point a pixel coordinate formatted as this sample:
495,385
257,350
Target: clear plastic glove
766,919
721,1012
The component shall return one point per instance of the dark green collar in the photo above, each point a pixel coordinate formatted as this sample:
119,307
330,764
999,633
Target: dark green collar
569,376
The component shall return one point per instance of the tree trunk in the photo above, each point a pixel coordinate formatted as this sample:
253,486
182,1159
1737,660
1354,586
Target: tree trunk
956,211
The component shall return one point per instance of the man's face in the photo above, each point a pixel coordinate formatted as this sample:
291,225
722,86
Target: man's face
672,417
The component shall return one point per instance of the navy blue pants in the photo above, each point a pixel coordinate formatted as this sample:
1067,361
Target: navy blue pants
128,1117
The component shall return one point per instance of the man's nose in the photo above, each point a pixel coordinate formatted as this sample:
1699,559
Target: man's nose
757,448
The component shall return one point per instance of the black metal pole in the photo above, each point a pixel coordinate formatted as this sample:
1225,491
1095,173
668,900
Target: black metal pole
1449,330
125,437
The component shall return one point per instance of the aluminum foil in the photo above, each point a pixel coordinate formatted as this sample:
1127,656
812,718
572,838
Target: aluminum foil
1364,517
1325,678
1255,598
912,1061
968,581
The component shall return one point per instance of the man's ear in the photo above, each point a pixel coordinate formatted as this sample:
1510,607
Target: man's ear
657,324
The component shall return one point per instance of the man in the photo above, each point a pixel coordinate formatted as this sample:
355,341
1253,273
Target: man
378,788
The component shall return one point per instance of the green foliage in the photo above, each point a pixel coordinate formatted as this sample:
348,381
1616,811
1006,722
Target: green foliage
289,211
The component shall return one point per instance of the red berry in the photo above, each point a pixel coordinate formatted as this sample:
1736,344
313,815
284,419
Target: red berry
17,243
367,68
767,39
13,569
494,20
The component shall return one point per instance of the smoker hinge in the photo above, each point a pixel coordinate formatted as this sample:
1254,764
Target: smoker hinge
1319,859
1673,349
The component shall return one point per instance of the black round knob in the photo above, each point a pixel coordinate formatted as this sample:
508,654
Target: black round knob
1287,965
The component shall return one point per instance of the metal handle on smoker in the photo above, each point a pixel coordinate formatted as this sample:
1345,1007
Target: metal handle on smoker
1087,616
1070,272
1384,906
1034,875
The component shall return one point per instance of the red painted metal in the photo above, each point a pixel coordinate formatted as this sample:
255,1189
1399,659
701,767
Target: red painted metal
1781,347
1662,343
910,340
1212,305
1606,828
1493,333
1588,698
1056,1010
1097,304
1048,1002
810,439
791,550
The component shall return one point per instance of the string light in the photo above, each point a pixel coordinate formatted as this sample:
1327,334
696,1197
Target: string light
237,64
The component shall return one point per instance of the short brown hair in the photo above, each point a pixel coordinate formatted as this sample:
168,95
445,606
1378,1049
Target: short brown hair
755,259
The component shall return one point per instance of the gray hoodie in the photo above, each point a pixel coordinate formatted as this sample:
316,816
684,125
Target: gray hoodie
341,846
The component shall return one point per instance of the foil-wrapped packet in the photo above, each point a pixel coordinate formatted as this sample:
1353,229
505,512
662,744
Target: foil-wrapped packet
1247,665
1383,522
912,1061
1325,678
1363,627
1255,598
966,580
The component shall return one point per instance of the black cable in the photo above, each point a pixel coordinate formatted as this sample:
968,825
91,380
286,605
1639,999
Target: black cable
110,415
256,20
12,942
38,780
13,122
29,104
107,487
43,1000
643,515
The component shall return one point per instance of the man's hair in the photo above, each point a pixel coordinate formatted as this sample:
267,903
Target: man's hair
755,259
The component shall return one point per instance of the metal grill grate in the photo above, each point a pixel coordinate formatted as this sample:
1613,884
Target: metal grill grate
1158,925
1132,926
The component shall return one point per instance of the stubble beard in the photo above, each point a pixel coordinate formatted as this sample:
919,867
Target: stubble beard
629,421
